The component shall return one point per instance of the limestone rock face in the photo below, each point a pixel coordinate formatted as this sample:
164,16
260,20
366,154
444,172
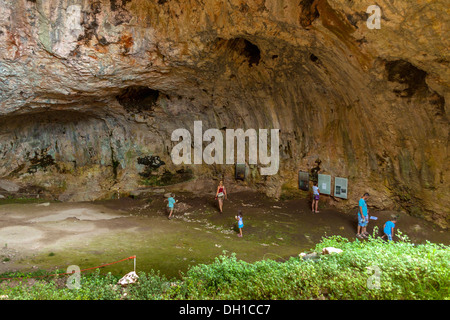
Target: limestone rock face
90,92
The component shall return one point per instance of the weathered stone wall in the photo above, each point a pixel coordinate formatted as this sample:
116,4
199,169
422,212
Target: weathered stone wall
89,87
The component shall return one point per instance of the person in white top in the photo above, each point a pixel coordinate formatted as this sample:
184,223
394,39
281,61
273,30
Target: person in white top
315,202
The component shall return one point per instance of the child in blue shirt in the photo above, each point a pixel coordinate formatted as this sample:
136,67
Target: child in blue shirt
240,223
170,204
388,228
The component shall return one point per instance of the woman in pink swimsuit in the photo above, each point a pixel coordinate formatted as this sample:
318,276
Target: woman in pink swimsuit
221,194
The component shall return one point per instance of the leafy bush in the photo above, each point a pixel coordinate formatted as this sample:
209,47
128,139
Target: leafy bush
404,271
92,287
151,286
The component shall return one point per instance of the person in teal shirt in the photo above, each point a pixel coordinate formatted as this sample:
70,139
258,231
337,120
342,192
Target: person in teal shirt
388,229
170,204
363,217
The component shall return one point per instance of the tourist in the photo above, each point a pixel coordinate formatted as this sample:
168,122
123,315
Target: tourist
316,195
240,222
221,194
170,204
388,228
363,217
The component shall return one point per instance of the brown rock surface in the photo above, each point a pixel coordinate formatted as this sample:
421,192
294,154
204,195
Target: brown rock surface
87,88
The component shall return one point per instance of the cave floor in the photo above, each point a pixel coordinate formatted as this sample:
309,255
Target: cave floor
53,236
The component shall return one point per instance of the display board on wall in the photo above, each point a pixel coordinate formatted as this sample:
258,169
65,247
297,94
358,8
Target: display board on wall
340,187
324,183
303,180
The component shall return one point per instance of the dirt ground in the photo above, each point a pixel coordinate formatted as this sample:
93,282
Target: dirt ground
54,236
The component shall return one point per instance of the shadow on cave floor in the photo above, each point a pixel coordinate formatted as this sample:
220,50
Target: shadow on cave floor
93,233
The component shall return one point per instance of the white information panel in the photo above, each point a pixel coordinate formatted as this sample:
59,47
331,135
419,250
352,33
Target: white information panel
340,187
324,183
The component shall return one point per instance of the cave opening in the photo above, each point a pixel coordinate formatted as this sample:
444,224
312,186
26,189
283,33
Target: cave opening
242,47
313,57
138,98
252,52
404,72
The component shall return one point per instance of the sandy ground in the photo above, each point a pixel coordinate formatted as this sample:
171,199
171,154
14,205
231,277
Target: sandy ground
34,227
29,229
55,235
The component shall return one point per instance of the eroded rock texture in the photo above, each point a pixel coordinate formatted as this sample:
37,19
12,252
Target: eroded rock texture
90,92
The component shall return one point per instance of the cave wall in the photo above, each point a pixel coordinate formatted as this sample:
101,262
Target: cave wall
90,91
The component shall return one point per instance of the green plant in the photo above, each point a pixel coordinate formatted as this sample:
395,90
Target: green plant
151,286
405,271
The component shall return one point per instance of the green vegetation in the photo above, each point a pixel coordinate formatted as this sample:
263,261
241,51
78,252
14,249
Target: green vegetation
406,271
292,192
22,200
167,178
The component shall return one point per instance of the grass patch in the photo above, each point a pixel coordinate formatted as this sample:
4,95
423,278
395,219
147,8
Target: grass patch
23,200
